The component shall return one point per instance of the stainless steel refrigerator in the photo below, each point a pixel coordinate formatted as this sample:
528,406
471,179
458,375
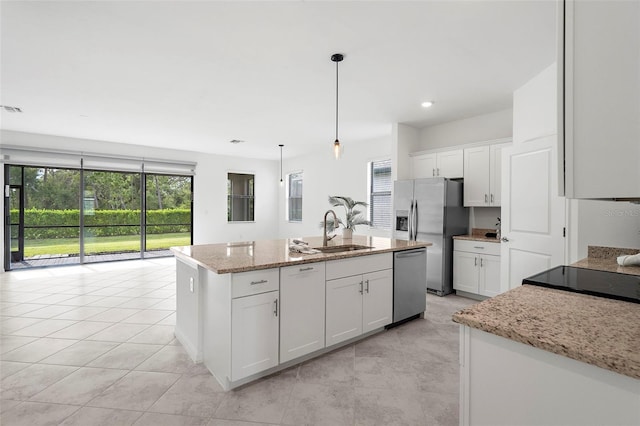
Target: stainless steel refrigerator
431,210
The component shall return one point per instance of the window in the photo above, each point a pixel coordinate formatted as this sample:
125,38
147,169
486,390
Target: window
240,197
294,197
380,184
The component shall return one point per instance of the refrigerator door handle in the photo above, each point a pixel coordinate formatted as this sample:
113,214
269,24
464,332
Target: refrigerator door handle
415,220
410,221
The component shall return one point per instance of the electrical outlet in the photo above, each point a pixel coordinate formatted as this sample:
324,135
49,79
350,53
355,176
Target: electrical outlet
191,284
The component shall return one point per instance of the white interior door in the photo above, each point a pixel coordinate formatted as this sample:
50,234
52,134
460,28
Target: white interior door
533,215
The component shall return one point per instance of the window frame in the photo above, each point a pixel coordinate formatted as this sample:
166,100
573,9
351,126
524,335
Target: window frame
371,193
288,197
250,197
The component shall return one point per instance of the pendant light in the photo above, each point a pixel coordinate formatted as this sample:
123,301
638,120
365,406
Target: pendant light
337,148
281,181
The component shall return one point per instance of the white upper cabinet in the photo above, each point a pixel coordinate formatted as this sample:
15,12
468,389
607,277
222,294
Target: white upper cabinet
599,105
482,175
448,164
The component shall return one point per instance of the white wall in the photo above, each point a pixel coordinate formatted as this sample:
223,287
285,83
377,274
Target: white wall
210,183
485,127
324,176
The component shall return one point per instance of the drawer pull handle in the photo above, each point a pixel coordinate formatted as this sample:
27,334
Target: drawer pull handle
492,198
310,268
367,281
259,282
275,309
475,261
485,199
361,292
478,247
481,262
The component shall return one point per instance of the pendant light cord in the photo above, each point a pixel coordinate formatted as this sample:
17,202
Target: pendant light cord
337,62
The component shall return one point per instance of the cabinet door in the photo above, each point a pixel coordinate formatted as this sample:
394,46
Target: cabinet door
490,276
344,309
424,166
465,271
476,176
254,334
495,174
450,164
302,310
377,303
602,99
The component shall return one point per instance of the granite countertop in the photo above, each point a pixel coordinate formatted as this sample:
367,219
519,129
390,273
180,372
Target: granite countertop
479,238
598,331
604,259
252,255
477,234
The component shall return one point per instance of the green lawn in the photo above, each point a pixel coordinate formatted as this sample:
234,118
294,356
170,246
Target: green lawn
125,243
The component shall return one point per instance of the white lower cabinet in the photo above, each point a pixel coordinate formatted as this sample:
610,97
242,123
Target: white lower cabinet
254,334
360,303
302,313
476,267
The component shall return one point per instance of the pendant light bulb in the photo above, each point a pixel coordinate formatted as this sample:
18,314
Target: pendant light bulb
337,148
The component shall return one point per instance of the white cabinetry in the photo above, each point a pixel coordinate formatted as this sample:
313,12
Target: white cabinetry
482,175
359,296
476,267
601,99
188,328
302,312
254,322
448,164
254,334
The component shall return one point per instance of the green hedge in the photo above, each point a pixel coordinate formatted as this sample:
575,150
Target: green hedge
158,222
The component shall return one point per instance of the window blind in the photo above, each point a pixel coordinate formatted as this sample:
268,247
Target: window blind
380,198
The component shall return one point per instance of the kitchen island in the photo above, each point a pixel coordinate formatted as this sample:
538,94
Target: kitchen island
250,309
536,355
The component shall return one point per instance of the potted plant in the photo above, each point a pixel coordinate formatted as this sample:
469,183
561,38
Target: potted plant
353,216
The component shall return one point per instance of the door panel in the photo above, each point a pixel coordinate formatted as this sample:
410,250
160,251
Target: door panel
465,271
254,334
429,198
532,215
377,305
344,309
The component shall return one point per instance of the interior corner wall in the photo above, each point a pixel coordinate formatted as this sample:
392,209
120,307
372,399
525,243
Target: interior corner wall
405,140
210,183
603,223
324,176
485,127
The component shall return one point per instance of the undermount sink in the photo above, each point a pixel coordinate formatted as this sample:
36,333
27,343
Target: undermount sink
338,249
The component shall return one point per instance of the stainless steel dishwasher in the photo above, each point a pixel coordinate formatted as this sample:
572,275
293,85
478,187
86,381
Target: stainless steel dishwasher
409,283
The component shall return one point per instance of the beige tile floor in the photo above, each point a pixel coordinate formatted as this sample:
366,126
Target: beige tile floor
93,345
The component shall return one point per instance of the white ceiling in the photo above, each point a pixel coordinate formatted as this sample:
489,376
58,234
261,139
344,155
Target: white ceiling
194,75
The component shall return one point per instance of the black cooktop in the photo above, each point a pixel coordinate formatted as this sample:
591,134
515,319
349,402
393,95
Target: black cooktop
611,285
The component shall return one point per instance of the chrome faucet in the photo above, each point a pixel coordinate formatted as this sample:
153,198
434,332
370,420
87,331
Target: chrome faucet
335,226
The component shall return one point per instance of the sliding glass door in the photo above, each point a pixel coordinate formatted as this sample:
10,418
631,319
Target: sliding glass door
168,213
119,216
111,216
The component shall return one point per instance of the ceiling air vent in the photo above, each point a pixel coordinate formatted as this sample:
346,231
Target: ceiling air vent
10,108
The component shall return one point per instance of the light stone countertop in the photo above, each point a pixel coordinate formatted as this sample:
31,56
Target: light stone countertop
263,254
598,331
605,259
476,238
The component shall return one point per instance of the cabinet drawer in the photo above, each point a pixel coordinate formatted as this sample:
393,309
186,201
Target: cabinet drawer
358,265
254,282
477,247
306,270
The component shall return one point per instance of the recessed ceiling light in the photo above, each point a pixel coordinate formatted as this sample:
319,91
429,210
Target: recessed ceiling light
427,104
236,141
